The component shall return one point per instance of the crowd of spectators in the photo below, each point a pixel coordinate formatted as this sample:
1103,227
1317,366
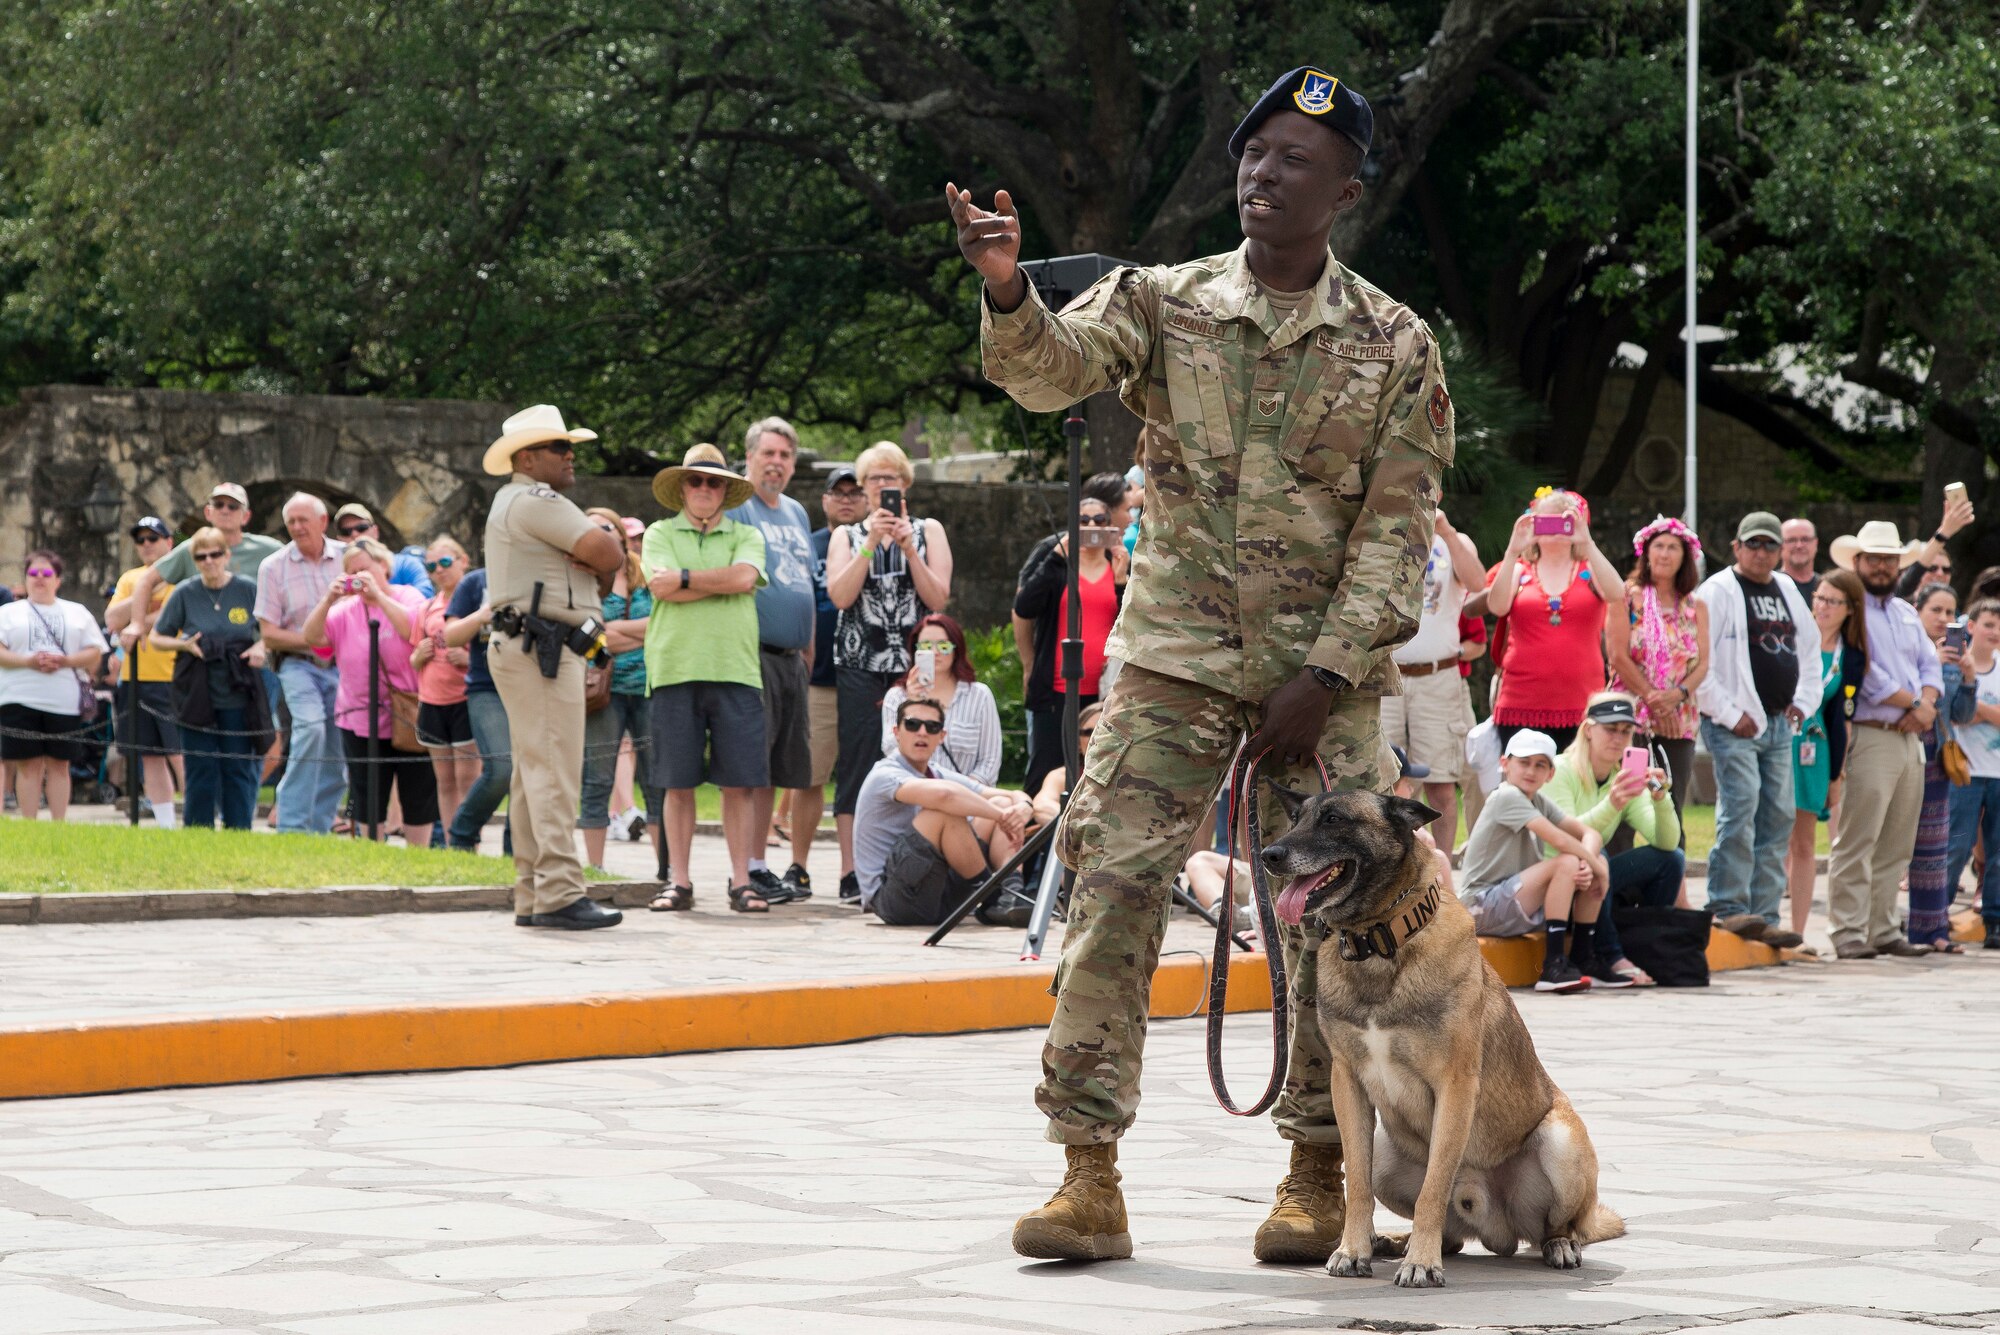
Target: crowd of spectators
752,650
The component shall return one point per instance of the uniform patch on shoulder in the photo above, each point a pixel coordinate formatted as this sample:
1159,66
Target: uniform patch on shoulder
542,490
1194,324
1439,410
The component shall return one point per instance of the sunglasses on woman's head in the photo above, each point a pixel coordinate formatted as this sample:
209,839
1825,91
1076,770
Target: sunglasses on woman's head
442,563
929,725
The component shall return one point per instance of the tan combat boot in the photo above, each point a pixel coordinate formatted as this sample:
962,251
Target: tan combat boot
1085,1219
1306,1222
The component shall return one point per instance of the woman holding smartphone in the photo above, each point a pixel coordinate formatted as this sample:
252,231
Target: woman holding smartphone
1608,783
941,670
1550,594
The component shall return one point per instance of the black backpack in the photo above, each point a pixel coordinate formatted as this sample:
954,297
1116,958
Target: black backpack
1669,943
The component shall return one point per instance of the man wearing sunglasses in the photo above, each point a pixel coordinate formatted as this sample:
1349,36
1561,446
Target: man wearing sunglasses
925,835
228,510
353,520
537,536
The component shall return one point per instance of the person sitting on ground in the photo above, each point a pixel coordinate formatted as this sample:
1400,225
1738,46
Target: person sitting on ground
341,619
1592,783
219,696
969,709
1513,890
925,836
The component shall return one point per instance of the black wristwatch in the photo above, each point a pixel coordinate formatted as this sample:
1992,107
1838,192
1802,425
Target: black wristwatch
684,577
1327,677
1940,538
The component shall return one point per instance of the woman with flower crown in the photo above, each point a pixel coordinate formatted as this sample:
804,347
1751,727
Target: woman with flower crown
1550,594
1659,649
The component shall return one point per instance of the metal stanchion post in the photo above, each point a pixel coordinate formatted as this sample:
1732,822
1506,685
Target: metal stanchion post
374,718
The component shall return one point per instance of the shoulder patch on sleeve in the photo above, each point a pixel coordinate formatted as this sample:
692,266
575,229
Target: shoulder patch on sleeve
1439,409
543,491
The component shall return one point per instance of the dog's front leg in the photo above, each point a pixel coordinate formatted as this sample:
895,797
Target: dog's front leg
1451,1124
1356,1118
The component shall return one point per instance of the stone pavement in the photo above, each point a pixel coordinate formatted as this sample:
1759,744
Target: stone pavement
1805,1151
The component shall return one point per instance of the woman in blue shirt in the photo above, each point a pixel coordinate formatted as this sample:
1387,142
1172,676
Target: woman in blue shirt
626,608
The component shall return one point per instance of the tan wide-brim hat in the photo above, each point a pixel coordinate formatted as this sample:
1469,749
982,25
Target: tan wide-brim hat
706,459
530,426
1878,537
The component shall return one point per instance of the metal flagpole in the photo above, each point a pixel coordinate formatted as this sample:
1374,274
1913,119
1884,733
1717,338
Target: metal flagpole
1688,373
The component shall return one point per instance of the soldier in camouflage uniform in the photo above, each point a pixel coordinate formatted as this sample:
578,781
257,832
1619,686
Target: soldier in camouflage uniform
1296,425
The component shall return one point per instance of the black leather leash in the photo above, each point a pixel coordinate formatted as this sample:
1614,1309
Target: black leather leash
1243,794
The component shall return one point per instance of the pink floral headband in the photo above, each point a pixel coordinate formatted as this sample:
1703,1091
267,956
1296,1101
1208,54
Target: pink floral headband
1662,524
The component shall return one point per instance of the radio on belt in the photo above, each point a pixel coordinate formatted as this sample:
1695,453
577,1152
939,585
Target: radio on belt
547,639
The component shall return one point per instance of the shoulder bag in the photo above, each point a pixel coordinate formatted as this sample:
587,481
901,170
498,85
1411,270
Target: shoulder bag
86,695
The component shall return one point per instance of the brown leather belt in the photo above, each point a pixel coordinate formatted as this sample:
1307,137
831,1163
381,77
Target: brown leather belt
1425,669
1876,723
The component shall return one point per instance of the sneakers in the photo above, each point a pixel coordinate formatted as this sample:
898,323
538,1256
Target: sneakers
798,882
767,885
1304,1225
1600,974
1746,925
1779,938
1561,975
850,889
1085,1219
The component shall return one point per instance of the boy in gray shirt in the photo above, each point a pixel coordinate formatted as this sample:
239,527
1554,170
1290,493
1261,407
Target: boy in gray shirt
1512,889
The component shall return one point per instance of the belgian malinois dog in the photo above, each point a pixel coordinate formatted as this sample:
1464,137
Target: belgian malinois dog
1475,1140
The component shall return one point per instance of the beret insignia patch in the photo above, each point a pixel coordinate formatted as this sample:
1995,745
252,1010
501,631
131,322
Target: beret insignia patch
1439,410
1315,93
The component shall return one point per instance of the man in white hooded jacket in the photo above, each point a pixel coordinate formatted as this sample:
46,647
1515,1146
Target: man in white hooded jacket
1763,679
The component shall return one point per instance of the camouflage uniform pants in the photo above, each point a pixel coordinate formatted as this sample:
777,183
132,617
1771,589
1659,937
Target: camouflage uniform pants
1156,762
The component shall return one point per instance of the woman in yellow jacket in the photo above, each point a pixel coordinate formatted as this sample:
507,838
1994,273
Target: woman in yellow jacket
1594,784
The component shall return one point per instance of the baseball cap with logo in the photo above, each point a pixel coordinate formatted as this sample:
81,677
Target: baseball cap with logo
154,526
232,491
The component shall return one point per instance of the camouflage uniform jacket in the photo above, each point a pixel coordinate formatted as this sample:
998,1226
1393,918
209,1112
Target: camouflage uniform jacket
1292,469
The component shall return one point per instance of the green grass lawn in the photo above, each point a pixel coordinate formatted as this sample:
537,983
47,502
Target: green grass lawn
39,857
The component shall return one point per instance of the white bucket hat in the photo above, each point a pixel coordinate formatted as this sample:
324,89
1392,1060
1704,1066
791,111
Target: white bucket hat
1878,537
530,426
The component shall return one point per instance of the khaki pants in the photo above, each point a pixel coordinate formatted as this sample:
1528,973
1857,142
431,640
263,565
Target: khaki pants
1155,762
1877,832
545,718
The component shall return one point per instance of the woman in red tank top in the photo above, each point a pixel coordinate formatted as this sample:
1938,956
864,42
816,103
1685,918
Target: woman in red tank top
1550,593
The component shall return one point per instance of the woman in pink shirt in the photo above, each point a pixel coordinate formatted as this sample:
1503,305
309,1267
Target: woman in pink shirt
443,723
361,596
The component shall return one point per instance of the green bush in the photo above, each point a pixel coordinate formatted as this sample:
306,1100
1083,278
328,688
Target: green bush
993,658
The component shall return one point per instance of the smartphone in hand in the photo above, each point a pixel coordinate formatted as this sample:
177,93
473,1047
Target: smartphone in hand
892,500
1635,761
926,667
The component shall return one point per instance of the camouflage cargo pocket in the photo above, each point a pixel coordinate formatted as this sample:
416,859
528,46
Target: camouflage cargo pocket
1081,834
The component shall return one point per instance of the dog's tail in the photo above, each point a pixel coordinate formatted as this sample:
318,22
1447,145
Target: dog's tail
1600,1223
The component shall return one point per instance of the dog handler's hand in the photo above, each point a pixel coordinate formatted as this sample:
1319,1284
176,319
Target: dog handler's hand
1294,716
991,243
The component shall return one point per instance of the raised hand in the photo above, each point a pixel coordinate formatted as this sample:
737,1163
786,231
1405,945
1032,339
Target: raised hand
990,242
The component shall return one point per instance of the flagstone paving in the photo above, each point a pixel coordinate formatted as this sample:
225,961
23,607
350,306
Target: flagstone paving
1805,1151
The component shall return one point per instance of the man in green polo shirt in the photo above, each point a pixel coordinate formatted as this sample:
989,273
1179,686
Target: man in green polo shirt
707,709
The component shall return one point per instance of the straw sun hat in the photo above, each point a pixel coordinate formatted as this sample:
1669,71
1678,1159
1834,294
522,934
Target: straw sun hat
530,426
708,460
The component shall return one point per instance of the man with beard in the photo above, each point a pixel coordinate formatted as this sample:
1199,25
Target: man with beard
1884,793
1296,427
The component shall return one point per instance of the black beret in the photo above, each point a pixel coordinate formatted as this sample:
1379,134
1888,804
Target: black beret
1316,94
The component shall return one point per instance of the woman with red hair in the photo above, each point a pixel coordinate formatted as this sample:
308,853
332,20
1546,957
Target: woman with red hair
941,670
1550,593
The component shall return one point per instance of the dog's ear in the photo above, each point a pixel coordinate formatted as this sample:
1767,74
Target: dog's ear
1293,802
1407,814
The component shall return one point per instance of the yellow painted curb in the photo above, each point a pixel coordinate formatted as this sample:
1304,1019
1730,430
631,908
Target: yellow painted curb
150,1052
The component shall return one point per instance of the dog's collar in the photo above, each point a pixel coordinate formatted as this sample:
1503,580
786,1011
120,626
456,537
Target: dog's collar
1383,939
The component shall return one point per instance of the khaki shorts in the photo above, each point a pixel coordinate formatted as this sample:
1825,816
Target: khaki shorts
1429,720
823,706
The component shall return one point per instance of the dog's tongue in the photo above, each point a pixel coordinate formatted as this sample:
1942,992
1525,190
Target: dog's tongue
1291,905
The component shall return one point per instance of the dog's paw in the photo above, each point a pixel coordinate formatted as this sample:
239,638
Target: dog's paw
1347,1266
1562,1254
1411,1275
1392,1245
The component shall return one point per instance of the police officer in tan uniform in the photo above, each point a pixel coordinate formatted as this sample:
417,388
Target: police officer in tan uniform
536,536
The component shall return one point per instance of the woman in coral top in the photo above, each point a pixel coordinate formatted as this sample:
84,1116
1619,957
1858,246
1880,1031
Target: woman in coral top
1549,594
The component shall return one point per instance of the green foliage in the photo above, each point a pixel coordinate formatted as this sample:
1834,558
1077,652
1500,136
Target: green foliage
999,667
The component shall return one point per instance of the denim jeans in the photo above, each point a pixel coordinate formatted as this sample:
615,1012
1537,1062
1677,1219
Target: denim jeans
624,717
1753,818
496,767
316,772
1975,811
220,769
1650,877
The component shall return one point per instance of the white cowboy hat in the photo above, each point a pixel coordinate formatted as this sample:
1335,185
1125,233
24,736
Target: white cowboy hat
530,426
1878,537
705,459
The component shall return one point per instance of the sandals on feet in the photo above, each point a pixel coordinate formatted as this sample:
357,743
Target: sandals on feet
1639,977
746,899
673,899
